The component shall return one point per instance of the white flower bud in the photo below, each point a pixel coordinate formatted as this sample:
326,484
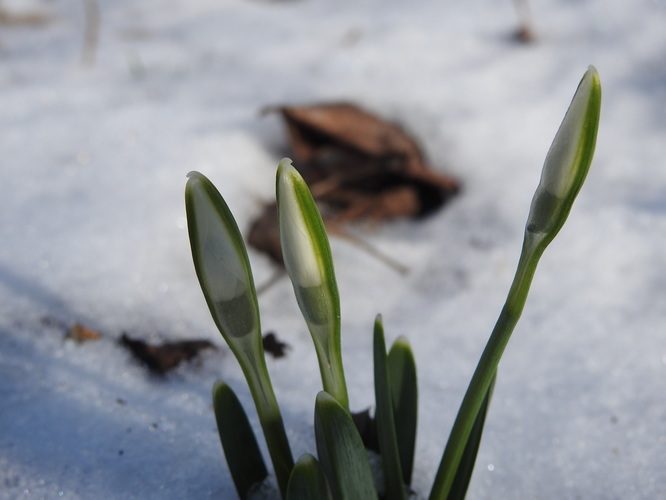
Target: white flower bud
307,257
568,159
298,247
559,171
220,259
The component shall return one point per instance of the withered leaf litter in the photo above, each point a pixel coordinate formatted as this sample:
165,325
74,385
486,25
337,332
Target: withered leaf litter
274,346
367,429
81,333
160,359
358,167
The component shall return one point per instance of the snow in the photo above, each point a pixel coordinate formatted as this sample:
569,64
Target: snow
92,230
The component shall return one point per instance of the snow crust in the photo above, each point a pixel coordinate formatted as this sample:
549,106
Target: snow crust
93,162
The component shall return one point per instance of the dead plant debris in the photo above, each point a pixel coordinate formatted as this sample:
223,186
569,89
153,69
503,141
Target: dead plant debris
9,17
358,166
160,359
274,346
367,428
81,333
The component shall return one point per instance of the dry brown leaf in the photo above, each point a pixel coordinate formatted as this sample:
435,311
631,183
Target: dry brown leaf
23,18
81,333
163,358
358,166
274,346
367,428
264,234
317,131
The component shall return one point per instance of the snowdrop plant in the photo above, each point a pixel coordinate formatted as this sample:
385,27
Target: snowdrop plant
307,257
342,468
223,270
564,171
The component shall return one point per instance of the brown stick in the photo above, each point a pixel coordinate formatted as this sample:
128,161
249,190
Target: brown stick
525,24
91,36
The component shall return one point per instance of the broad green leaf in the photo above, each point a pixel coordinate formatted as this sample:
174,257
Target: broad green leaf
308,481
404,394
341,452
240,446
386,432
309,263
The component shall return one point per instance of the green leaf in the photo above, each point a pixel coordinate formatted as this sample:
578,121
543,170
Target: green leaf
341,452
309,263
466,466
239,443
404,394
386,432
308,481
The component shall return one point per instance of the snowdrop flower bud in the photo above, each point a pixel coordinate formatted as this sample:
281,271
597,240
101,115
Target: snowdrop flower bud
220,260
307,257
298,246
305,247
568,159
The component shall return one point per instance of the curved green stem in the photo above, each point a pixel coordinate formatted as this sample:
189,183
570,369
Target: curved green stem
329,356
533,247
564,171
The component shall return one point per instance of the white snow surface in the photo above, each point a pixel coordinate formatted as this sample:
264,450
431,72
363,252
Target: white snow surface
93,163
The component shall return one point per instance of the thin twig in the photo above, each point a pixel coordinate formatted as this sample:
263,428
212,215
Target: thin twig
91,36
276,276
525,31
372,250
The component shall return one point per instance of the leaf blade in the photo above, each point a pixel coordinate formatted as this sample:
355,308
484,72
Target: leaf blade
466,466
239,443
404,394
386,431
308,481
341,451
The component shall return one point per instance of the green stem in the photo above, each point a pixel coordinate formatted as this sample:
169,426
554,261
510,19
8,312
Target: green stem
533,247
333,378
256,374
329,357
